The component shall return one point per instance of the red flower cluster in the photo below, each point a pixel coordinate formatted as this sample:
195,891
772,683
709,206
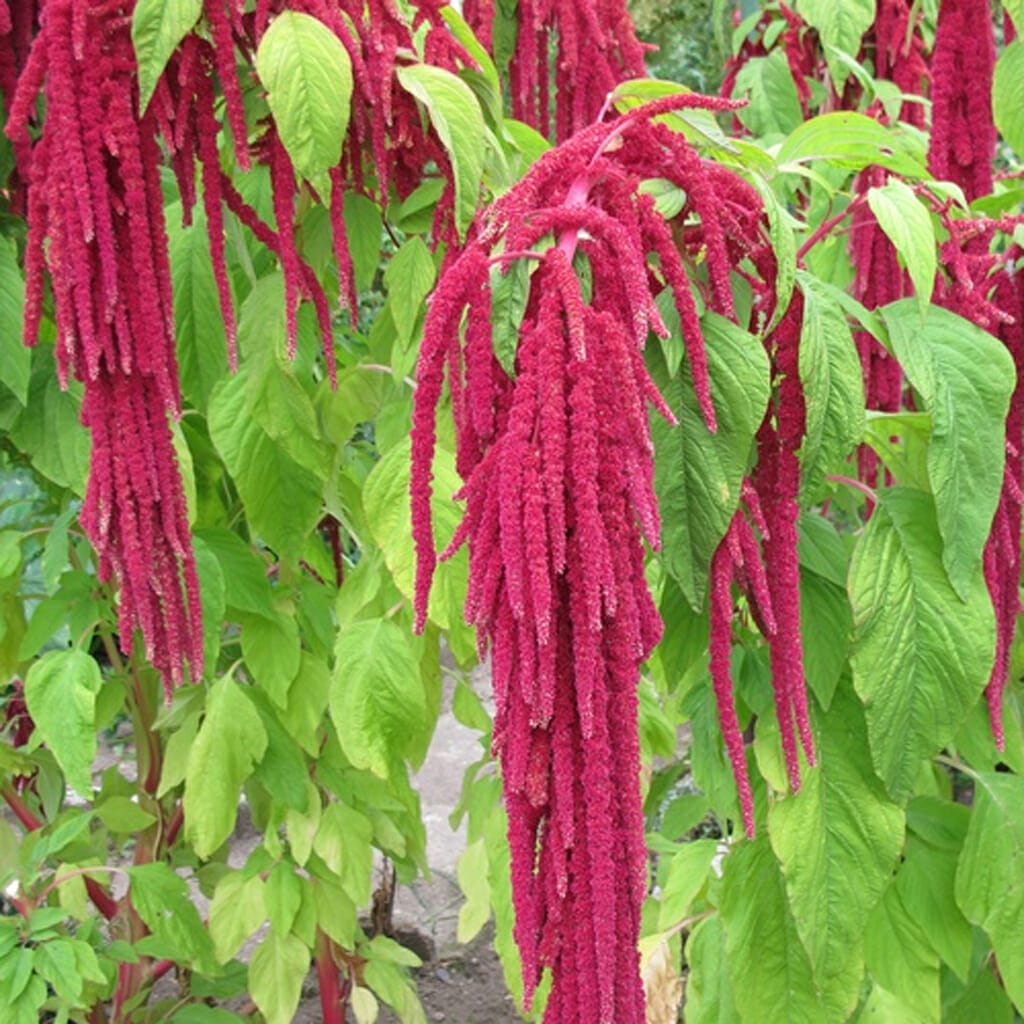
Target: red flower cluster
557,462
95,212
593,46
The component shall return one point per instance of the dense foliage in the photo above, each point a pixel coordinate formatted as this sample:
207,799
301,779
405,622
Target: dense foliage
713,406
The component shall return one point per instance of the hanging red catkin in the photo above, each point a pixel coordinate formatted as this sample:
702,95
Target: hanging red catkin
963,139
96,223
593,47
558,467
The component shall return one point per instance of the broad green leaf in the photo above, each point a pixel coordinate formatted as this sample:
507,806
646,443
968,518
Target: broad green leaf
926,887
246,588
840,25
282,770
921,656
282,497
272,651
984,999
901,961
409,277
122,814
307,700
158,26
698,474
57,964
1008,93
459,123
854,141
510,290
202,342
343,843
377,702
363,229
769,970
386,504
307,73
472,875
774,103
60,691
162,900
990,873
908,225
687,874
276,972
965,377
826,628
229,745
837,840
708,992
15,358
833,385
283,896
362,1000
236,911
1015,8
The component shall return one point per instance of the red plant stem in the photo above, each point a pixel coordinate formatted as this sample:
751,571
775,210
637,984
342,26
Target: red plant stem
825,228
331,1008
174,824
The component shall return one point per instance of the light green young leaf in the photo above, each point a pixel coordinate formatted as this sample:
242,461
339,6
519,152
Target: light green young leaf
840,25
908,225
283,896
409,276
276,972
16,361
697,473
965,377
990,873
158,26
343,843
921,656
472,875
228,747
708,993
459,122
307,73
833,385
162,900
377,702
273,653
686,875
1008,93
237,910
837,840
60,690
769,971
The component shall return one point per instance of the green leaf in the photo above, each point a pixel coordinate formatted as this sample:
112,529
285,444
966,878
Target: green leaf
246,588
158,26
697,473
837,840
510,289
307,73
162,900
853,141
409,277
472,875
276,972
990,873
982,1000
901,961
282,770
965,377
377,702
237,910
60,690
283,896
16,361
272,652
687,874
386,504
1008,93
839,24
908,225
768,966
774,103
343,843
264,471
57,964
833,385
122,814
229,745
459,123
201,338
921,656
708,993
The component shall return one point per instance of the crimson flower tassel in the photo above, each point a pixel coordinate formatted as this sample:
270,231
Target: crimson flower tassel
559,488
96,223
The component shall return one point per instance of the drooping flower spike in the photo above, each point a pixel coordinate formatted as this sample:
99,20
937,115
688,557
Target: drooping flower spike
96,225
